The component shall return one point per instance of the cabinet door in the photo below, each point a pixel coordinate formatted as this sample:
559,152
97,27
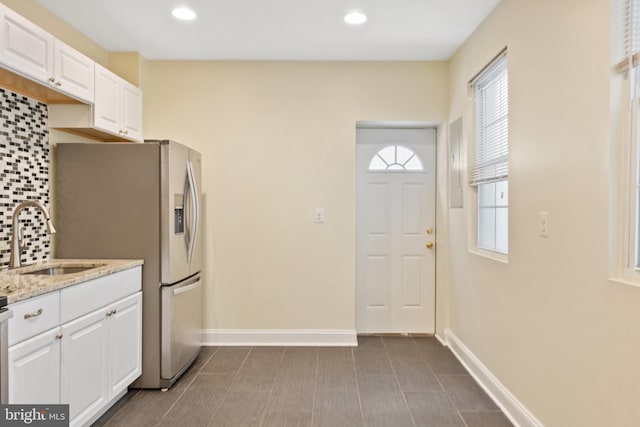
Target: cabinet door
131,111
25,47
34,370
83,382
125,343
73,71
107,102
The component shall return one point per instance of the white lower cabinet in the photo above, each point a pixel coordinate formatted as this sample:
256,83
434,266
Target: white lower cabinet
83,373
34,369
85,362
100,357
124,347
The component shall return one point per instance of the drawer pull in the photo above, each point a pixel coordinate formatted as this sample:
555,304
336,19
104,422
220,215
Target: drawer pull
59,336
112,312
30,315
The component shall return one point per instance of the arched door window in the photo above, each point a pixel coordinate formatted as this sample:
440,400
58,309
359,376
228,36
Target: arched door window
395,158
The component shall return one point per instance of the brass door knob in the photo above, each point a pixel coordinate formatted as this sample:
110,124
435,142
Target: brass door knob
429,245
429,230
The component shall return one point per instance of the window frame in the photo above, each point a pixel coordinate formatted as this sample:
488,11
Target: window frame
631,176
403,168
499,61
625,137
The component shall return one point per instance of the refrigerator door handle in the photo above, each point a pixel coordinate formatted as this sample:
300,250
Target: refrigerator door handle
194,211
187,288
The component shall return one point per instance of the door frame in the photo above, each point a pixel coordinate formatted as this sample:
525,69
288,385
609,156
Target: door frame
398,125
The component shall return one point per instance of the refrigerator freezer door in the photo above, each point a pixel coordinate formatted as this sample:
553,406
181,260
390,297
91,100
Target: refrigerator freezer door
175,222
181,325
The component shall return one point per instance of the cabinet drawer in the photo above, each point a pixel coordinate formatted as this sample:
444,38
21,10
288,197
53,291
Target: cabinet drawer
33,316
78,300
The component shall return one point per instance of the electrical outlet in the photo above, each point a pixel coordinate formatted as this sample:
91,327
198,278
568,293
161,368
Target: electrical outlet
318,215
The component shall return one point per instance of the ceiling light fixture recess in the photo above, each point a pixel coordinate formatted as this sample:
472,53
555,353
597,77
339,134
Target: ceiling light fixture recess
355,18
184,14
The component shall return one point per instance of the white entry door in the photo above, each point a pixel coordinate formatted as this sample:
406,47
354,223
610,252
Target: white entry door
395,272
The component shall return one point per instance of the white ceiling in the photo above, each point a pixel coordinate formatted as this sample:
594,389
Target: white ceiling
277,29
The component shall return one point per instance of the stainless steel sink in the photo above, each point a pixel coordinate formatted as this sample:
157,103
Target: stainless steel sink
63,269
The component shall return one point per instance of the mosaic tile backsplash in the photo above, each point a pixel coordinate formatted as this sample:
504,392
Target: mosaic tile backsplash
24,173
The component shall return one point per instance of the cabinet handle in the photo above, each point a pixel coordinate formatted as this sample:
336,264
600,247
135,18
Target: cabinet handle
59,336
52,79
126,132
112,312
30,315
58,83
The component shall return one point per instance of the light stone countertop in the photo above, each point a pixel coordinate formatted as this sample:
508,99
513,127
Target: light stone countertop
17,286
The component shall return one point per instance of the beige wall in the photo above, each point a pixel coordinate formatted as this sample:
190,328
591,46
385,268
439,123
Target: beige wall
278,140
563,338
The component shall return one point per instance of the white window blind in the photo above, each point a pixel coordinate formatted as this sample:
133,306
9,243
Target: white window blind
492,123
626,34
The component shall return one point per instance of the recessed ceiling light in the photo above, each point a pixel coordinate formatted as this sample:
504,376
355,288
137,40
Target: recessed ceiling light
355,18
183,13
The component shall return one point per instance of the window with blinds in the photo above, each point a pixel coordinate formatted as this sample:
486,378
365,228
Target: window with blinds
626,80
491,91
490,168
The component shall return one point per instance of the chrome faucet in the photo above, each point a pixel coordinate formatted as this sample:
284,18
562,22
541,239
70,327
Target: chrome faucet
17,244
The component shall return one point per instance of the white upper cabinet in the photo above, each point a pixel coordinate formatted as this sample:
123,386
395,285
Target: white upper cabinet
116,113
112,107
73,72
25,47
118,105
131,111
106,113
30,51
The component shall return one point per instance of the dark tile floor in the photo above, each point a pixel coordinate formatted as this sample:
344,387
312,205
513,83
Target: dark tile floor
385,381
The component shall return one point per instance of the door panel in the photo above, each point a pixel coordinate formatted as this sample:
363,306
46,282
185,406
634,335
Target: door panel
377,207
74,71
125,340
395,272
412,209
377,281
131,110
107,99
411,281
83,381
24,46
34,370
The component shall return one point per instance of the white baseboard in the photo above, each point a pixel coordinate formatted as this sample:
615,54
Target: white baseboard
287,337
512,408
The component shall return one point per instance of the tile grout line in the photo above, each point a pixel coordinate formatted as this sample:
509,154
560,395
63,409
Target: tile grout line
226,393
395,375
273,385
444,390
355,373
315,385
187,386
106,421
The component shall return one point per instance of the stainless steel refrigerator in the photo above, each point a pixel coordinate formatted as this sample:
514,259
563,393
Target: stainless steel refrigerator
115,200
